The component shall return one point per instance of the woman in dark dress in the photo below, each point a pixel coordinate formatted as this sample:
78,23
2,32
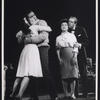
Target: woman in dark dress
67,56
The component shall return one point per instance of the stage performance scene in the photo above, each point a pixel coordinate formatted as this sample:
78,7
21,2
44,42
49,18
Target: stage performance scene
49,50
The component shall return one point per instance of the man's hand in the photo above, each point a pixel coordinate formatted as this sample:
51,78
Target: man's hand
27,40
20,39
35,39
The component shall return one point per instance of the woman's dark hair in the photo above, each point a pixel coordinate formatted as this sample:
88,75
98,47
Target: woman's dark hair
63,20
27,12
25,28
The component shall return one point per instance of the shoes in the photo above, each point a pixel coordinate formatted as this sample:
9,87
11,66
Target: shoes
17,98
57,98
30,99
72,96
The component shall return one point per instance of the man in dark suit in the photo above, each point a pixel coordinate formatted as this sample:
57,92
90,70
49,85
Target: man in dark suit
83,41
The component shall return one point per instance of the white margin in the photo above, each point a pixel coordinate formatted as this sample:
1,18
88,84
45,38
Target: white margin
96,50
2,49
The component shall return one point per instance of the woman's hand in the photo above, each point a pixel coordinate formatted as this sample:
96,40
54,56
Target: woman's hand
61,62
27,41
73,61
74,58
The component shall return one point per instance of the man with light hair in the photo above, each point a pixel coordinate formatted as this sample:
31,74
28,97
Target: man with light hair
83,41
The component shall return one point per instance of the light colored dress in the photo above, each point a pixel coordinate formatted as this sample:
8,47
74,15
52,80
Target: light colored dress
65,43
29,61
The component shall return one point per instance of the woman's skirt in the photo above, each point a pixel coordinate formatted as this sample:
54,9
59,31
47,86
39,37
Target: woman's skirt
68,70
29,62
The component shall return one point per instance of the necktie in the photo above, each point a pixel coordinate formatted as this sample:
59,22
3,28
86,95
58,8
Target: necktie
71,30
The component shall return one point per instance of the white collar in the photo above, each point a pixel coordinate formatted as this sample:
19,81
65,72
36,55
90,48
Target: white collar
65,34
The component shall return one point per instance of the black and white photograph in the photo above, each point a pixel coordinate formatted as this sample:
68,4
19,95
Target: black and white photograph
49,50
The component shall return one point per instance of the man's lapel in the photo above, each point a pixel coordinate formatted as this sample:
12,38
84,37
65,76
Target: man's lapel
76,33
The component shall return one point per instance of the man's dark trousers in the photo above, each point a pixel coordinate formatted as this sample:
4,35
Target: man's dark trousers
43,50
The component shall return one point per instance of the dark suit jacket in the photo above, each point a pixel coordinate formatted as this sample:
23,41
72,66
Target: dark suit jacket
82,38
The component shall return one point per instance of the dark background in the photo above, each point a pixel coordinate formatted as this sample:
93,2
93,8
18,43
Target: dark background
51,11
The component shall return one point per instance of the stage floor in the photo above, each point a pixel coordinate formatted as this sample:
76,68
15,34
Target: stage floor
47,97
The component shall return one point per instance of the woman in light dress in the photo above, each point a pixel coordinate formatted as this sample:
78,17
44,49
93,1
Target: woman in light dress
67,56
29,61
